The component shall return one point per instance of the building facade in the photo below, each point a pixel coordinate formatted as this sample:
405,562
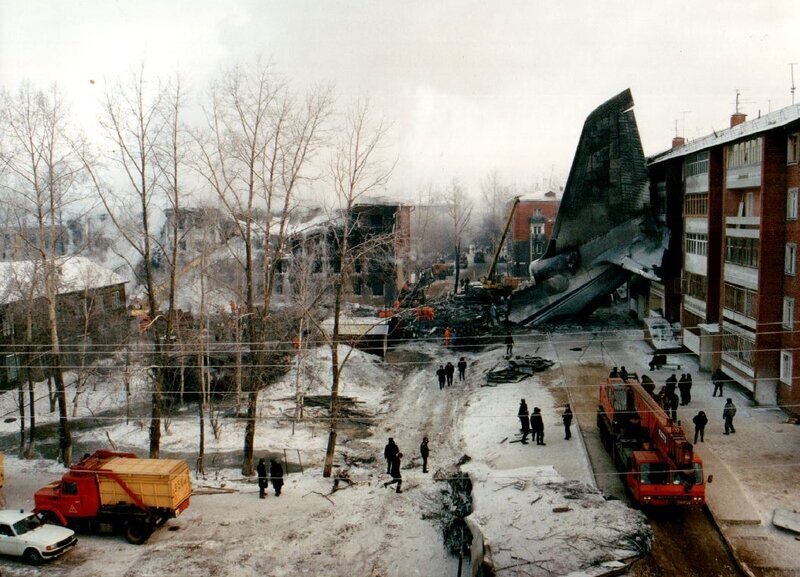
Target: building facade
737,241
531,229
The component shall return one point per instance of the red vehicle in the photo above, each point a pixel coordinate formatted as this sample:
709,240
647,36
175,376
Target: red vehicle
118,491
651,449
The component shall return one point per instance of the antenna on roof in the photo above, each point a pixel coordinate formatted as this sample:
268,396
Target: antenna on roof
684,113
791,68
737,100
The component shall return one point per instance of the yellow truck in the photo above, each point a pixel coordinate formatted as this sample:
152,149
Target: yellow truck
120,491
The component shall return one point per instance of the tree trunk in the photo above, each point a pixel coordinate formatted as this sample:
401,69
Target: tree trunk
32,427
21,421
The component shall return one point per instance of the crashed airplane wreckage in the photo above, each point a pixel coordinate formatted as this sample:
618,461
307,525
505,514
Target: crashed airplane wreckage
606,229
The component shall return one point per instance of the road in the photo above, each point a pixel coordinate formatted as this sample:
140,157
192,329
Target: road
686,542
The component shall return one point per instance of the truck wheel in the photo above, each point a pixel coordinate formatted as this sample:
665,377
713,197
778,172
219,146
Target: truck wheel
51,518
32,557
137,532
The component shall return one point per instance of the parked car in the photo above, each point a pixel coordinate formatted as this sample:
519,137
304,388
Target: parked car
26,535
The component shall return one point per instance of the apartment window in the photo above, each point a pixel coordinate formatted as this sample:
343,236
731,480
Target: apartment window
695,285
737,347
749,204
789,264
696,204
793,148
7,327
786,367
741,251
741,300
696,243
747,153
377,288
788,313
791,204
537,230
697,164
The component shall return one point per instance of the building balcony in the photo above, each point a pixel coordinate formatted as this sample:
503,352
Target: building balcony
743,177
743,276
698,183
735,224
738,318
695,306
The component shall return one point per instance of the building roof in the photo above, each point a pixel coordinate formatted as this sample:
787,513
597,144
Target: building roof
541,195
76,273
758,125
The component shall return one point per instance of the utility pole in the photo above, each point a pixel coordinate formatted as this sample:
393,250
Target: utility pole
791,69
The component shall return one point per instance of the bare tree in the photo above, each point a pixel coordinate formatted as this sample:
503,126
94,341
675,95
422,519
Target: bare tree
357,169
255,155
42,178
459,207
495,195
141,119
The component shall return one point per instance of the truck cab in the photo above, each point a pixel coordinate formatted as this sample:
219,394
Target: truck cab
74,497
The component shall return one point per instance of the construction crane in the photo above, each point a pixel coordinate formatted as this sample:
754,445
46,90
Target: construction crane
490,282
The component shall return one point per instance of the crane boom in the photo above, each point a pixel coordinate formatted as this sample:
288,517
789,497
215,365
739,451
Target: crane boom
493,266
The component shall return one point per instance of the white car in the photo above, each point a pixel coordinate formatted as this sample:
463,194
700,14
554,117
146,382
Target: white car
26,535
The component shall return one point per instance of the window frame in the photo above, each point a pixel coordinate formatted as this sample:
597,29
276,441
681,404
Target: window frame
791,203
790,259
786,368
788,313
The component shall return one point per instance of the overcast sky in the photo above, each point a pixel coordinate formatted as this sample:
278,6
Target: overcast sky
469,86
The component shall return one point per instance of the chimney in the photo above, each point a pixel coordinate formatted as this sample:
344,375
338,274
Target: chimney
678,141
737,118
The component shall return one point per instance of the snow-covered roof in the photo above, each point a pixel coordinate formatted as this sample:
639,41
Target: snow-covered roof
769,121
75,273
540,195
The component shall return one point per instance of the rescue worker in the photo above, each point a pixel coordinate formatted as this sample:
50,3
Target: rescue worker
728,412
389,452
683,388
522,413
462,368
424,451
449,371
447,335
700,421
623,373
567,418
441,373
261,469
394,471
509,342
276,476
614,374
718,379
537,426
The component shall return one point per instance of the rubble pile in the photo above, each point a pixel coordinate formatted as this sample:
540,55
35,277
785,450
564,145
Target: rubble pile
516,369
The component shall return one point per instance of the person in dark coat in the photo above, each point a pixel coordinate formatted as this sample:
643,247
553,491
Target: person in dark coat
389,453
567,418
424,451
522,413
728,412
537,426
718,379
673,405
462,368
700,421
688,388
449,371
509,342
683,388
441,373
623,373
671,383
648,384
261,469
276,476
614,374
394,471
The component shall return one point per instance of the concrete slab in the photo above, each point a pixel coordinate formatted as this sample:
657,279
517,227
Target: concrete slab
726,499
786,519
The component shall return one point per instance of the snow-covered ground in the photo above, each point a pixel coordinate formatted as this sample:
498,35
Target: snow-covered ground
536,509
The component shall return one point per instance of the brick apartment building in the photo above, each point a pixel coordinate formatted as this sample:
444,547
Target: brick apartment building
731,272
531,228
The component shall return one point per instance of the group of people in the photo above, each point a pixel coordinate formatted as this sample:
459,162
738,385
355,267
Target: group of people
274,474
533,424
393,458
446,372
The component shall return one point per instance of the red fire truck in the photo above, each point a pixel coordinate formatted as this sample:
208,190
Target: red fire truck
648,447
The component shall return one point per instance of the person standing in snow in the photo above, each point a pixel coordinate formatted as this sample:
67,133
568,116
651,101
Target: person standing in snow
441,373
424,451
718,379
683,388
509,342
567,418
449,371
522,413
700,421
276,476
462,368
537,426
688,388
447,335
261,469
671,383
728,412
389,453
394,471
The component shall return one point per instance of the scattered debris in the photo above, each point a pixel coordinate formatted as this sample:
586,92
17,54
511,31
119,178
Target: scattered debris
786,519
517,369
